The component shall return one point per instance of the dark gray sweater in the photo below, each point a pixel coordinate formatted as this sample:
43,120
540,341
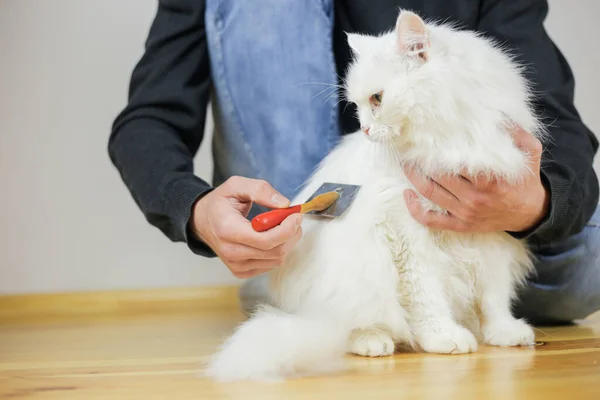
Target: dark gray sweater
154,139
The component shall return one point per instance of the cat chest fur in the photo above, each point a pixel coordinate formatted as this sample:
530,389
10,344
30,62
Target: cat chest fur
462,262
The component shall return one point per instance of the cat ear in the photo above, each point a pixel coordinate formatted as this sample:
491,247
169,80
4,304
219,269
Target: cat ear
412,38
359,44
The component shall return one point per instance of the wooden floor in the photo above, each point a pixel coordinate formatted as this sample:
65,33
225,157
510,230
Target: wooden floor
158,354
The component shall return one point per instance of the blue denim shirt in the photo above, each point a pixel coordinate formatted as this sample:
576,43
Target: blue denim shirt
275,116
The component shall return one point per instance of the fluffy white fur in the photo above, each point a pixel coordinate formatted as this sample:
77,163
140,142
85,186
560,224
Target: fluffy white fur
376,278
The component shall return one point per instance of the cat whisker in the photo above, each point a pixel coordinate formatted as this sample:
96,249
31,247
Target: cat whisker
321,83
338,103
332,95
394,151
322,91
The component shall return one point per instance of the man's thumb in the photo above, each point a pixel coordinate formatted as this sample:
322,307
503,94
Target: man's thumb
256,190
526,142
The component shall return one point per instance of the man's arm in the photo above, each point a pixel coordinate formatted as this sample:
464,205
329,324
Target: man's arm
154,139
567,164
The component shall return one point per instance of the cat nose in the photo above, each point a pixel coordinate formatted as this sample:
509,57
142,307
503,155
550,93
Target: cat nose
365,129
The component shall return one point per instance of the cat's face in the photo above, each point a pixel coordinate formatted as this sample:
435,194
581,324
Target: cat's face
388,77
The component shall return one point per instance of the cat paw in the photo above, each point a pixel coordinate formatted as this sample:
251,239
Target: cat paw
448,339
511,332
372,342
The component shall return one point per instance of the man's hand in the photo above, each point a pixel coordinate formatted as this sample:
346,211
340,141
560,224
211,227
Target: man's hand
219,220
484,206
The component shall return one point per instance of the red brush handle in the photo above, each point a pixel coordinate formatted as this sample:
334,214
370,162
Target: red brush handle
270,219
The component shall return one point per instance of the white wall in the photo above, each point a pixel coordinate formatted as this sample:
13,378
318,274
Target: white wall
66,220
573,25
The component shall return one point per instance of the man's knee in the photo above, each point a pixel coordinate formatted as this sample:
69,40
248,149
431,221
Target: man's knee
542,306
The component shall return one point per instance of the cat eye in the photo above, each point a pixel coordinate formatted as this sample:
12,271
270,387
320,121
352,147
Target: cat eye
376,99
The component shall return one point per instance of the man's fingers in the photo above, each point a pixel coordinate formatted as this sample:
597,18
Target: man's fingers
240,252
278,235
286,248
436,191
268,260
432,219
526,142
250,265
269,239
255,190
251,273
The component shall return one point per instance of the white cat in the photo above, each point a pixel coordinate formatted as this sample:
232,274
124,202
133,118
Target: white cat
441,100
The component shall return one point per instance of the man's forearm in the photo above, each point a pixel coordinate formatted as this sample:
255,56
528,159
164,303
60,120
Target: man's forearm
154,139
566,167
158,172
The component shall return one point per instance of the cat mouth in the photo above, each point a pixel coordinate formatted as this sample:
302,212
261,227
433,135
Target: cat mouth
381,133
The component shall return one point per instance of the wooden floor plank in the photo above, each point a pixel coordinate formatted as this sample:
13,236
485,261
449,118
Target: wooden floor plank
159,355
113,302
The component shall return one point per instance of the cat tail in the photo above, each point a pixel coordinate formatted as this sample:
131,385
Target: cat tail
274,345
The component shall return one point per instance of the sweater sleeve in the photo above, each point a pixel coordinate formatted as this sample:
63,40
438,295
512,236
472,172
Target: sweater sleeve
567,161
156,136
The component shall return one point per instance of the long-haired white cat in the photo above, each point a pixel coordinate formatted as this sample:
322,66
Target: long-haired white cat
442,101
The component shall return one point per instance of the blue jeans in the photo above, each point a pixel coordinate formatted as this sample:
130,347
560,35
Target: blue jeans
567,282
275,113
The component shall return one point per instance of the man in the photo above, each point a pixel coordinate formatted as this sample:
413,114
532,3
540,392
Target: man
270,69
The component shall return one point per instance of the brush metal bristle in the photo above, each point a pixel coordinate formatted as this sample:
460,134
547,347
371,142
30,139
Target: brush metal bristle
346,193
